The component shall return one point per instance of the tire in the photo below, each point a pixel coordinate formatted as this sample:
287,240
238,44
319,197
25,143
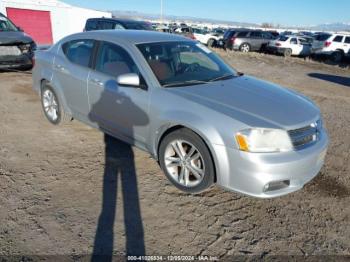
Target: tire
211,42
337,56
186,161
52,108
288,52
245,48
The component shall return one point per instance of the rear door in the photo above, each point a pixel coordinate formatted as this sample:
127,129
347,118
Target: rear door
256,40
120,110
71,70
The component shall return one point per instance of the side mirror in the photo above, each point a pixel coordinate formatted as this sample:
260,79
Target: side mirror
20,29
131,80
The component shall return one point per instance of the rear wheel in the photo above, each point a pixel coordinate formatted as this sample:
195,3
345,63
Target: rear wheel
337,56
186,161
52,107
245,48
288,52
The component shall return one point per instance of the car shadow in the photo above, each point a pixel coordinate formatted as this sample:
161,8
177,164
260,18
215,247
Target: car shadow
119,166
340,80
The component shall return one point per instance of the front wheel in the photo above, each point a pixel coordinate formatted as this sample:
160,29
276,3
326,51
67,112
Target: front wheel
186,161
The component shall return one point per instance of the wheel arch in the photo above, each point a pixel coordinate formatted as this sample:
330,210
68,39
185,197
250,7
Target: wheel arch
58,92
168,129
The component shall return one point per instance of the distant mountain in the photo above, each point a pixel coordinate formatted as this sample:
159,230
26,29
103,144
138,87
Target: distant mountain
145,16
332,27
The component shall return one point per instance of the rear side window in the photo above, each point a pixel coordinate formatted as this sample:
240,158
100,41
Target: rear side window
114,61
228,34
91,25
106,25
242,34
79,51
338,39
294,41
347,39
255,34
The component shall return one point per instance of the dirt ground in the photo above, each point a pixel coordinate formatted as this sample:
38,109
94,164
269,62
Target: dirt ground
63,193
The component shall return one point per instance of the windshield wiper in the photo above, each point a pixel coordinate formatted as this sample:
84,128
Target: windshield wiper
186,83
223,77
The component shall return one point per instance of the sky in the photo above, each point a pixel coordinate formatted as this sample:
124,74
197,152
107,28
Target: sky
283,12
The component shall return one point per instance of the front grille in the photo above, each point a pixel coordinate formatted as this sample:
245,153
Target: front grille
305,136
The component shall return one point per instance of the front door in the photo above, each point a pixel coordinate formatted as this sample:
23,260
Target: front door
120,110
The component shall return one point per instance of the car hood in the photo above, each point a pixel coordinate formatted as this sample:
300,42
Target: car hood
14,38
250,99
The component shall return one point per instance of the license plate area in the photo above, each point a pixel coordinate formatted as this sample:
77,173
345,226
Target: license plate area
10,51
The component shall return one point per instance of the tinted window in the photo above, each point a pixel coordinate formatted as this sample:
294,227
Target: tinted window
135,25
6,25
242,34
256,34
106,25
282,38
79,51
115,61
338,39
228,34
267,35
322,37
347,39
91,25
294,41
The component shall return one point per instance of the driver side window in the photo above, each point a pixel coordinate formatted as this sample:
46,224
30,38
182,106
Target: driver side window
114,61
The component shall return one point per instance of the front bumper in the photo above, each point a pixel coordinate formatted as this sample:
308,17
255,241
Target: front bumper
250,173
23,60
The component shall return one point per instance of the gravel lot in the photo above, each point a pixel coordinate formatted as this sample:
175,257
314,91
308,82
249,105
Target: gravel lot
60,186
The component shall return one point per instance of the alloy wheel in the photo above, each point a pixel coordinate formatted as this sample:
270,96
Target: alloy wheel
184,163
50,105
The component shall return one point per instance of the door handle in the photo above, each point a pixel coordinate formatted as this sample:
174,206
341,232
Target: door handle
97,81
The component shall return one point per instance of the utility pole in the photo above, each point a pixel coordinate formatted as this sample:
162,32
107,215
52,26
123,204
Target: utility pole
161,11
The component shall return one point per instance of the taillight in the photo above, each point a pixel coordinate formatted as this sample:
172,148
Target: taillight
192,37
233,39
278,44
327,44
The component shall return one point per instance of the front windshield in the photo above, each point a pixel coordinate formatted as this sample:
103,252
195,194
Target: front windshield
184,63
6,25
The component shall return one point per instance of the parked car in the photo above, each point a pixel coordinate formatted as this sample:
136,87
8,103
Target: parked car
116,23
185,31
179,101
290,45
228,38
205,37
16,47
250,40
333,45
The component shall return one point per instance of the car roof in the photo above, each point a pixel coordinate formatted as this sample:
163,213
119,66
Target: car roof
134,36
121,20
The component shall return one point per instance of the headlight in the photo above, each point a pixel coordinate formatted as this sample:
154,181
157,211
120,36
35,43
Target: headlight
261,140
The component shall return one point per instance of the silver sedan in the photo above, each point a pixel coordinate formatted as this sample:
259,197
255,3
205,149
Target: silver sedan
204,122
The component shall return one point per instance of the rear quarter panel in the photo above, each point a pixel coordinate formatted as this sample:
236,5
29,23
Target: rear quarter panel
43,70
